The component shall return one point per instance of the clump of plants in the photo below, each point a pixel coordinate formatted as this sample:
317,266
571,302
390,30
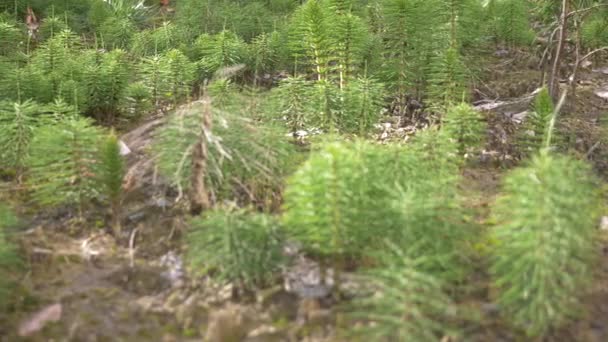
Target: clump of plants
18,122
106,82
432,226
155,41
10,37
546,232
246,159
324,201
137,101
594,32
169,77
8,255
353,109
448,79
465,125
235,245
534,130
406,304
111,172
222,50
348,197
510,23
63,163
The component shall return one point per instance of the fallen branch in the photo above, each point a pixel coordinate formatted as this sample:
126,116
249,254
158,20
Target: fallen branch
592,149
586,10
132,247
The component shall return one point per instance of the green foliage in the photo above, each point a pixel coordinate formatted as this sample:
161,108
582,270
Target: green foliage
169,77
471,29
106,82
98,13
137,100
222,50
133,10
448,79
195,17
112,168
153,77
431,227
8,255
265,52
310,37
348,197
64,163
534,131
249,20
116,33
409,45
156,41
511,22
235,246
328,38
407,305
247,159
178,75
363,102
546,230
292,98
351,36
464,124
57,55
63,62
595,31
340,6
24,83
324,105
323,199
225,96
52,26
11,36
111,172
17,123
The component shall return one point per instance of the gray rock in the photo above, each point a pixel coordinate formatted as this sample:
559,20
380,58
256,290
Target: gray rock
40,319
602,93
304,279
266,333
604,223
136,216
124,149
174,268
490,309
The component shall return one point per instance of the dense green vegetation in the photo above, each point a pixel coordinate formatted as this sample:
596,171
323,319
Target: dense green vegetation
544,256
273,106
8,256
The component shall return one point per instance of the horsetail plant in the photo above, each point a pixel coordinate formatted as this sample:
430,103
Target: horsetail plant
235,245
111,174
63,163
407,304
544,257
8,255
534,130
465,125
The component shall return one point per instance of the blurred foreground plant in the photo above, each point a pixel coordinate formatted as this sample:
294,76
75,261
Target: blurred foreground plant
543,261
